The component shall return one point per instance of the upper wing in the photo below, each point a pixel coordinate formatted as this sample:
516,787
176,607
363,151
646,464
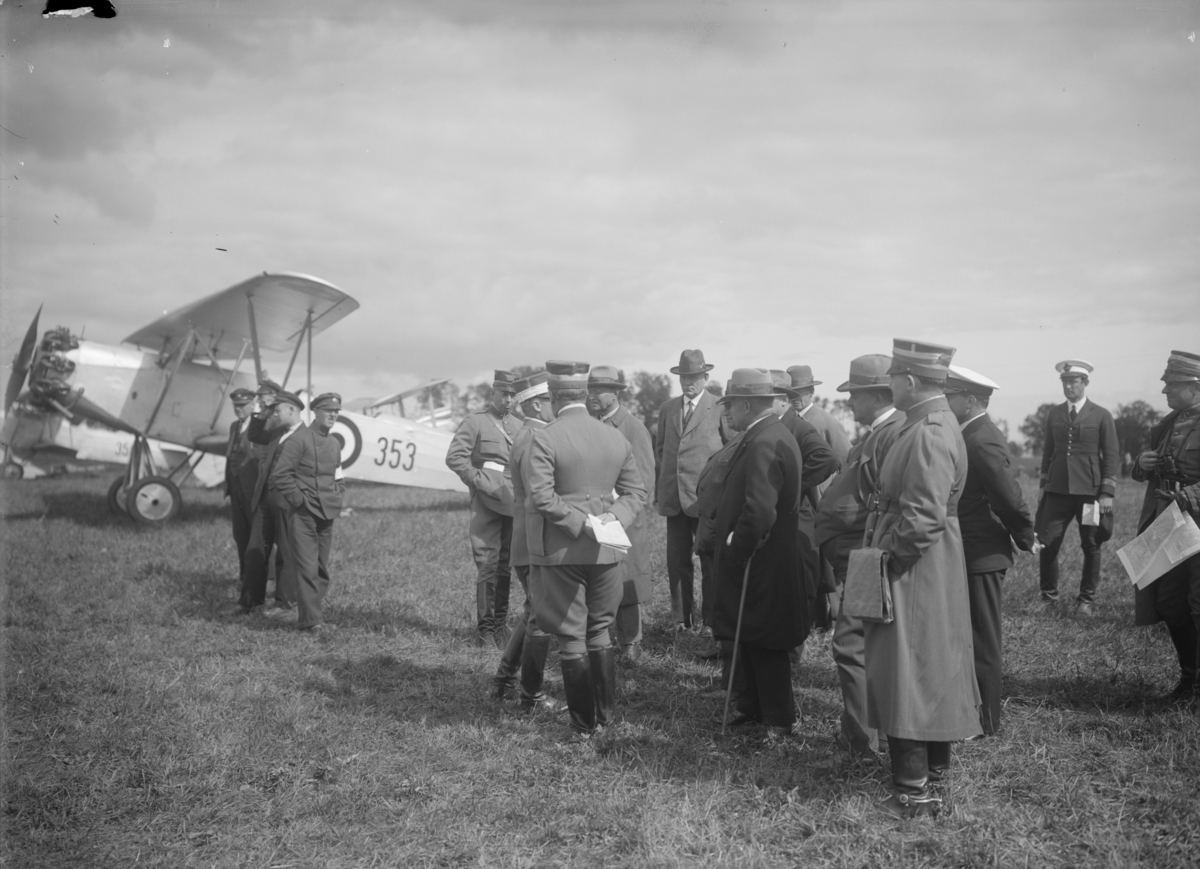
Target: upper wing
222,321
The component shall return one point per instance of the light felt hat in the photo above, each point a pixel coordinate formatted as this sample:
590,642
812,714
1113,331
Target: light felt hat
868,372
751,383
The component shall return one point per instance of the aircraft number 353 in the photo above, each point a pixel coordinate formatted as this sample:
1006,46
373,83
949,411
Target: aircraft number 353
396,453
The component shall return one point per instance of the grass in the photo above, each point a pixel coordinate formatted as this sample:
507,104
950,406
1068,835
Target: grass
147,725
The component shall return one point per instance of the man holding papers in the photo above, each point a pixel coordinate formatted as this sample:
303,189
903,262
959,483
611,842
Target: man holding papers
577,466
1171,470
921,687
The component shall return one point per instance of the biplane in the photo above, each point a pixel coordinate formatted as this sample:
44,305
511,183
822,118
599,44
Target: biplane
171,385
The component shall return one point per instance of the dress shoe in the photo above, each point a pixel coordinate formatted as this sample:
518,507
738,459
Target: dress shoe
543,703
903,807
280,612
777,732
632,653
712,654
1083,610
485,640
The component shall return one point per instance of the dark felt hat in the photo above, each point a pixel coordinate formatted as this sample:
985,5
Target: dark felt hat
868,372
782,382
751,383
920,358
802,377
605,375
691,362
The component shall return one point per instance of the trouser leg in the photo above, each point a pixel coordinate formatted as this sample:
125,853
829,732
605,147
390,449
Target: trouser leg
1054,513
849,656
577,686
241,519
503,575
310,538
707,582
486,531
510,658
603,664
680,567
629,624
985,596
258,552
1090,581
770,670
285,578
1177,603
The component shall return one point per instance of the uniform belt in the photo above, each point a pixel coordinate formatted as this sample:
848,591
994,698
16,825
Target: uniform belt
492,466
888,506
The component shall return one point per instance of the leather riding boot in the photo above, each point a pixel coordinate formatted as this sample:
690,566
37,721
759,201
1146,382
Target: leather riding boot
1090,580
1183,637
938,758
604,683
484,605
533,671
910,778
1048,573
510,661
581,702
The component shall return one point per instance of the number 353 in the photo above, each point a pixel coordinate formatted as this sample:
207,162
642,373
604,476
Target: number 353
403,455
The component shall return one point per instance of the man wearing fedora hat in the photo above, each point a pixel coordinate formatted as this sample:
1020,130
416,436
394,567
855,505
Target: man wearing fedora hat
921,689
803,389
754,529
604,402
992,514
580,471
276,421
479,453
839,527
688,433
1080,458
308,474
1171,471
241,471
528,645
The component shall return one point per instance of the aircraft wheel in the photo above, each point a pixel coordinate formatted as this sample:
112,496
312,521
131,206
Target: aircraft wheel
153,501
116,497
13,471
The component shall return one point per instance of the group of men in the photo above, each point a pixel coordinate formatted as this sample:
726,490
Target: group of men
765,491
284,482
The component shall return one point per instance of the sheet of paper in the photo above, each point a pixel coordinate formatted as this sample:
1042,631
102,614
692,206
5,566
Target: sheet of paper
1090,514
1168,540
1184,541
610,533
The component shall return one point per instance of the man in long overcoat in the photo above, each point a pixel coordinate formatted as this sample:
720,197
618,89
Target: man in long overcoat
992,514
576,466
604,403
529,645
688,432
840,523
1171,471
921,688
755,546
241,472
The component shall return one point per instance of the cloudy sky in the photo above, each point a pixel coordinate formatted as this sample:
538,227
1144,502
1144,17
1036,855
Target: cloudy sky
499,183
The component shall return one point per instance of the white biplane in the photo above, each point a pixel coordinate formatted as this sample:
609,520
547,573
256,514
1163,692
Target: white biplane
176,392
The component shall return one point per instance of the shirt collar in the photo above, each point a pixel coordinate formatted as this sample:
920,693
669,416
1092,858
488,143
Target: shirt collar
287,434
972,419
923,400
1078,405
760,419
806,410
879,420
571,405
610,414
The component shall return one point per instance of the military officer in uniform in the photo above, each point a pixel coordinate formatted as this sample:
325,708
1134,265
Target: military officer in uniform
754,538
528,646
921,688
1079,468
992,515
480,453
1171,471
241,471
308,475
604,403
839,527
576,467
688,433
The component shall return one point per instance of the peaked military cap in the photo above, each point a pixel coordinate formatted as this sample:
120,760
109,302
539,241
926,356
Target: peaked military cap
504,380
326,401
282,397
1181,367
920,358
691,362
532,386
1074,368
868,372
605,375
267,388
802,377
751,383
567,375
241,395
783,383
965,380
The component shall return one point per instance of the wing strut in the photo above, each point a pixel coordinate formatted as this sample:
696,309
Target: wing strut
228,383
258,375
183,351
306,328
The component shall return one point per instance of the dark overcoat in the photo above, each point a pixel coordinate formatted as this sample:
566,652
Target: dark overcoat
241,462
638,588
759,504
518,554
921,667
992,511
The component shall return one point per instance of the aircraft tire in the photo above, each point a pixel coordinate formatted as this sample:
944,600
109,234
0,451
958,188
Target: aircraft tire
116,503
13,471
153,501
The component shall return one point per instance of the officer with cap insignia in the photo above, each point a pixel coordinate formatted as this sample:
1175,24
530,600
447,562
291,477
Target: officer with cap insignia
604,403
992,514
840,523
480,453
921,688
580,471
308,476
1080,459
241,471
1171,471
528,645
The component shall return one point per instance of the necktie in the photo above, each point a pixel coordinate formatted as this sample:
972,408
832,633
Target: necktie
688,407
1072,413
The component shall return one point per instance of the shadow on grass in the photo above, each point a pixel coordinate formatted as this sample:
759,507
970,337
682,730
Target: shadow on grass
1082,694
91,509
442,507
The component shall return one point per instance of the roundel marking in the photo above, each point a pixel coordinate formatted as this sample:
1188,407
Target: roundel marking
350,438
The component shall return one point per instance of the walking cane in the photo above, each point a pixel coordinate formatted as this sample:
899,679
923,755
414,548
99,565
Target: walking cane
737,640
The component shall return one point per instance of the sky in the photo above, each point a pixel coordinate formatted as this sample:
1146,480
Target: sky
499,184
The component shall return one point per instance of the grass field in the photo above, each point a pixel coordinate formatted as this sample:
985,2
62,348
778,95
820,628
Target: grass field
147,725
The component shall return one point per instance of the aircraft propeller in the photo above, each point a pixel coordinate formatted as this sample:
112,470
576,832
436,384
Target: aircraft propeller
21,363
